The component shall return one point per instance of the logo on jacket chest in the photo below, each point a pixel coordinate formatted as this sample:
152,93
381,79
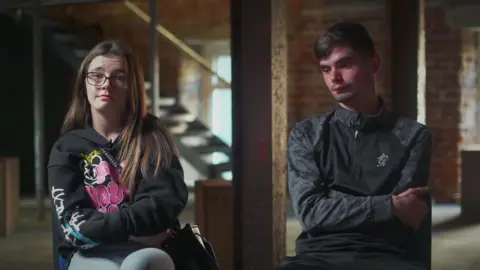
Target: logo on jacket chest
382,160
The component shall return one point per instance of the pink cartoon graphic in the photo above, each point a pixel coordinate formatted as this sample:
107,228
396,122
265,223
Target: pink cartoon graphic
106,192
103,170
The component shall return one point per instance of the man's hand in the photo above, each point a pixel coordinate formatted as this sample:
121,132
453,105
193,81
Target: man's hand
409,208
419,191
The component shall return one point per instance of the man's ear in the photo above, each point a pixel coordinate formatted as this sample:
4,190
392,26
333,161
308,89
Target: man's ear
376,63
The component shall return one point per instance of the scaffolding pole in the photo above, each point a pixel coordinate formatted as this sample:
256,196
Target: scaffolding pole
38,111
154,60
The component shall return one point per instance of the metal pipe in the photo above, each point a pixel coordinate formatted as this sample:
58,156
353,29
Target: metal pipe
31,3
38,110
154,61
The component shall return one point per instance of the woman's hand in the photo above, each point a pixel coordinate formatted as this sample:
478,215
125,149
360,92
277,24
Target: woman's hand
153,240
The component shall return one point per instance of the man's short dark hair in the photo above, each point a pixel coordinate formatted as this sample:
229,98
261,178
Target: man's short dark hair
349,34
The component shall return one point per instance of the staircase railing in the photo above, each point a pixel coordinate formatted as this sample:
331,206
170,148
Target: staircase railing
178,43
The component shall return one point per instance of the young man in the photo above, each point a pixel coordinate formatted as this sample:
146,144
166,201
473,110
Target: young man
358,175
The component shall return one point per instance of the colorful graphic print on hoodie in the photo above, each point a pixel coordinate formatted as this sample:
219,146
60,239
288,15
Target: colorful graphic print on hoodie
102,182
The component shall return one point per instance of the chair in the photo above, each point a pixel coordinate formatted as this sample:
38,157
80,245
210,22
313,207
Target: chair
419,248
59,262
62,264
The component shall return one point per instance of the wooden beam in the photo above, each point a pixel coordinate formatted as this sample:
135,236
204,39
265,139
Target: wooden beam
259,131
279,126
31,3
405,37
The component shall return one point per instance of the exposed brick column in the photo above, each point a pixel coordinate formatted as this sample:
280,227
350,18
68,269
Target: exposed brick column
443,59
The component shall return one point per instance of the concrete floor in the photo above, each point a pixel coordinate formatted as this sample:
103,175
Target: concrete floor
454,248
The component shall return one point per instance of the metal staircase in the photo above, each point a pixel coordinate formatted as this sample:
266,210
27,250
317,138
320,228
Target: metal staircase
193,138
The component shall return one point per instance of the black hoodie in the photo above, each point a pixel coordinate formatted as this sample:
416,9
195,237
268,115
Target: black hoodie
92,207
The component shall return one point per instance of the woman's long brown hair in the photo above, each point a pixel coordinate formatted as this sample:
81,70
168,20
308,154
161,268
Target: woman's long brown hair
144,141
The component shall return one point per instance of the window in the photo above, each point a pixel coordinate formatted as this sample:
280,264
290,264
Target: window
221,108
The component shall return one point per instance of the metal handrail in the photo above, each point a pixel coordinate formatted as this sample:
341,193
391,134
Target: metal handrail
178,43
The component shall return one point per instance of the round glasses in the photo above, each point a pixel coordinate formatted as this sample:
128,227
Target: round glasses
98,79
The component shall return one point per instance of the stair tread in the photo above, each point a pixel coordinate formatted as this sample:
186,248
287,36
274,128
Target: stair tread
217,169
192,127
204,133
80,52
211,148
167,121
174,109
205,141
225,166
68,37
75,44
197,124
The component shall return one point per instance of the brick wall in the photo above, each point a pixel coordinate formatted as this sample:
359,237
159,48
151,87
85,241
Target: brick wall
308,95
443,58
469,131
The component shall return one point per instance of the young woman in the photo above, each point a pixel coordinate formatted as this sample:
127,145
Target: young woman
115,180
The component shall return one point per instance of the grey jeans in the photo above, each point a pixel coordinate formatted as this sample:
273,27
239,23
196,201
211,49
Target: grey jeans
121,256
346,261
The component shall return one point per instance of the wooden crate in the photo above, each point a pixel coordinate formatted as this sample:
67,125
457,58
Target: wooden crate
9,194
214,216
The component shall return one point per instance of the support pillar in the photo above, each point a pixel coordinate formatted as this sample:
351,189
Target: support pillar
154,76
259,87
38,109
408,84
279,126
404,56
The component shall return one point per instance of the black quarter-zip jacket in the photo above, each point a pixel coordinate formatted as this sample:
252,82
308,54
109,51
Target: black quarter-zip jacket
91,205
343,168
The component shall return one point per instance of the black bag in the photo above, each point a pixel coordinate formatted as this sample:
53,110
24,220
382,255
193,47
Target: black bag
188,249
